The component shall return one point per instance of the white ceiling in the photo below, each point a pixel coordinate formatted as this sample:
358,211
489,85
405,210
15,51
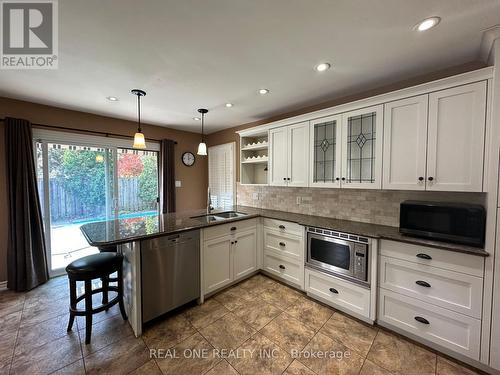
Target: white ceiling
203,53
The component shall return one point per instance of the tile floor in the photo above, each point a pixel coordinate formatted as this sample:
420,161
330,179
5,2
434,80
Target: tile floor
259,326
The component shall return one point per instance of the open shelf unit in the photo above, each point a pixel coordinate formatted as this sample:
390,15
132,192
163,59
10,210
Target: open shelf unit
254,148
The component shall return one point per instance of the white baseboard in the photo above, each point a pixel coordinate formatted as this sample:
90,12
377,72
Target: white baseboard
3,285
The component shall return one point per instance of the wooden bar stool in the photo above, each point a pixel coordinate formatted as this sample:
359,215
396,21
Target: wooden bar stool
86,269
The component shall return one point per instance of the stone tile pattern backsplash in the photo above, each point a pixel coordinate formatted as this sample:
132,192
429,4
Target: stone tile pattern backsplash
369,206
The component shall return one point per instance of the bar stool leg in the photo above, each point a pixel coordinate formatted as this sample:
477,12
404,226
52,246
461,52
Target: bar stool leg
105,286
120,293
72,303
88,310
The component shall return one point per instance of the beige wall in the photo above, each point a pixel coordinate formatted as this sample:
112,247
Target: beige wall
229,135
194,179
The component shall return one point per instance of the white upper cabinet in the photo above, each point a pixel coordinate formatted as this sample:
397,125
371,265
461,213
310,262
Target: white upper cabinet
405,141
298,154
455,149
325,152
362,148
289,153
427,138
278,153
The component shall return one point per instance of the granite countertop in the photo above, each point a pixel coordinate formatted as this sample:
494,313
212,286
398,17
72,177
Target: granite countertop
119,231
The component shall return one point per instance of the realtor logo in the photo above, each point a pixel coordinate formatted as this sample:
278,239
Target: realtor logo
28,34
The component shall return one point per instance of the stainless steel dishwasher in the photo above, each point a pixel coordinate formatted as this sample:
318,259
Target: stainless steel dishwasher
170,273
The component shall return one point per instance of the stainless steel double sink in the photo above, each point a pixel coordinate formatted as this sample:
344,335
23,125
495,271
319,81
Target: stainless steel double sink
221,216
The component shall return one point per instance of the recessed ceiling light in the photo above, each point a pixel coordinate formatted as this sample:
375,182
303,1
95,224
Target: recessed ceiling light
263,91
196,118
229,105
322,67
427,23
112,98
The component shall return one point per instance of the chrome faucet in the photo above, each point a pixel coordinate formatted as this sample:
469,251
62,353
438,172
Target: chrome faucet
209,202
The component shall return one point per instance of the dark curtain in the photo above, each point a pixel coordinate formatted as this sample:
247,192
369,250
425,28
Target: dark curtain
168,175
26,252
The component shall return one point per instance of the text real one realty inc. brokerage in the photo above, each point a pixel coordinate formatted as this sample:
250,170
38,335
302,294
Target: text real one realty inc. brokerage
244,353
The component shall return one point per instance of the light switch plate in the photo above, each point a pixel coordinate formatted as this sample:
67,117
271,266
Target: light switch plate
255,196
178,184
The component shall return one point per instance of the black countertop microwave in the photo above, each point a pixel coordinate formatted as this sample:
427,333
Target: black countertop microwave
453,222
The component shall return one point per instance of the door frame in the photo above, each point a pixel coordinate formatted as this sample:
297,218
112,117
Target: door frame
45,137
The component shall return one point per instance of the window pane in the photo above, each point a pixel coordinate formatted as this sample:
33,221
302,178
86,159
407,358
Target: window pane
361,139
78,186
325,145
137,182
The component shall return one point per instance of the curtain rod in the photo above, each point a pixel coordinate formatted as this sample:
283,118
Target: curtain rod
85,131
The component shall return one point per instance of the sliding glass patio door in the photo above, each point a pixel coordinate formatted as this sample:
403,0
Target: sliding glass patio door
80,183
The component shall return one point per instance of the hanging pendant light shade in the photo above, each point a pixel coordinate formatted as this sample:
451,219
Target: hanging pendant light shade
202,147
139,140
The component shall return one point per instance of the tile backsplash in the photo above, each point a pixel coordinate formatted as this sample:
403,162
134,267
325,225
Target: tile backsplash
370,206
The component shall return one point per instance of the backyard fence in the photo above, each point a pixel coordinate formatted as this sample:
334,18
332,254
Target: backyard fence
65,205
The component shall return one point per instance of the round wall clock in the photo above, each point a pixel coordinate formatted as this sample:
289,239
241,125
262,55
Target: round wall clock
188,159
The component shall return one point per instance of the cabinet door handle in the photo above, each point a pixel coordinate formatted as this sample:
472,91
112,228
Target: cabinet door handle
232,243
236,241
289,179
334,291
282,267
343,178
423,283
282,244
424,256
284,178
431,178
337,179
233,228
420,178
281,227
421,320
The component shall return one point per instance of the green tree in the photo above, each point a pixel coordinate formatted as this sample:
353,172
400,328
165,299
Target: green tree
85,178
148,181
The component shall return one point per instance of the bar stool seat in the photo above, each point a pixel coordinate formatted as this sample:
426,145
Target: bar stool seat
96,266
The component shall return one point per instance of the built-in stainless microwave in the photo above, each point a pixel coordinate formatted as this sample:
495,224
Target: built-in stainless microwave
454,222
340,254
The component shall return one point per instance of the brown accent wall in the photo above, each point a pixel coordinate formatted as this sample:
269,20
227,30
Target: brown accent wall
194,179
229,135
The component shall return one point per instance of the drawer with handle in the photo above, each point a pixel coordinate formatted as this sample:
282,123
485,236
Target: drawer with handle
286,244
284,227
338,293
287,269
459,262
449,329
452,290
229,228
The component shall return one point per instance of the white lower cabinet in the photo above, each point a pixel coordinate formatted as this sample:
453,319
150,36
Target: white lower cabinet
432,294
444,327
286,269
287,245
284,251
449,289
217,263
343,295
229,257
245,254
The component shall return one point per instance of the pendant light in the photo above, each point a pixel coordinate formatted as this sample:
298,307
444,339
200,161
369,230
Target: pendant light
202,147
139,141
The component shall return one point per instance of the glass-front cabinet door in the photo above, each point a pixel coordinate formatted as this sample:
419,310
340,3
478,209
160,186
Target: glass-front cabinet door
325,168
362,148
